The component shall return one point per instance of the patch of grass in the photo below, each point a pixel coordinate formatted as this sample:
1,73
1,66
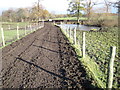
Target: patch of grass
11,35
13,25
70,18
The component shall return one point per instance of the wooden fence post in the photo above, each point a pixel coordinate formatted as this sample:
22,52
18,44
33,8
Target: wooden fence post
83,52
3,39
75,36
70,32
30,27
53,22
34,27
18,32
9,27
25,30
61,22
110,68
61,27
43,23
79,44
67,30
37,26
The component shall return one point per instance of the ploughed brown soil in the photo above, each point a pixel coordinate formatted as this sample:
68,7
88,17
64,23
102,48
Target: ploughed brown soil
43,59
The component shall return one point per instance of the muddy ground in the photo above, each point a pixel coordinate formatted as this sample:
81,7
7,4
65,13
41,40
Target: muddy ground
43,59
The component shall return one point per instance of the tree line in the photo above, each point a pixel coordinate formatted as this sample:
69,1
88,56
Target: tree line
77,7
25,14
102,14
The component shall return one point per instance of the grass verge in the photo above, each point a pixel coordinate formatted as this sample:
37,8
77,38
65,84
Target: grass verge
70,18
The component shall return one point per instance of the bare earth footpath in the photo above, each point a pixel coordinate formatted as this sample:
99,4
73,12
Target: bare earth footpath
42,59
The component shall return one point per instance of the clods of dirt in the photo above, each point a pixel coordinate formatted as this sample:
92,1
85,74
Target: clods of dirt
42,59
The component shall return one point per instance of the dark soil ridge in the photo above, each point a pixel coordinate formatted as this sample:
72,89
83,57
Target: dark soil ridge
42,59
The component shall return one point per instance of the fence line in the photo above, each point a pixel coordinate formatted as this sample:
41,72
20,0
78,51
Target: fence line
18,30
112,51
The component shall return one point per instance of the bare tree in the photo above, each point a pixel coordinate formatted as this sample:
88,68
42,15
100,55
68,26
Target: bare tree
89,4
35,12
8,15
107,4
75,6
115,5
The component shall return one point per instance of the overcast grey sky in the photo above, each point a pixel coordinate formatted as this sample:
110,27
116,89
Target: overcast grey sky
56,6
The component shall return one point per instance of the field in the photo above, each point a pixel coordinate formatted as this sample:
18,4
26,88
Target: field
98,49
41,50
70,18
11,35
98,45
11,25
10,30
84,18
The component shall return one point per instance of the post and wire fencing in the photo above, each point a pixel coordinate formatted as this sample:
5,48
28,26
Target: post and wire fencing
10,32
99,52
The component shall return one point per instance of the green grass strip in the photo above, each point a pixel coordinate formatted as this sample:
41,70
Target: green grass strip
70,18
15,39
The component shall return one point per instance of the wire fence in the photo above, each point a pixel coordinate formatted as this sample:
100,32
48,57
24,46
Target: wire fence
96,45
10,32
